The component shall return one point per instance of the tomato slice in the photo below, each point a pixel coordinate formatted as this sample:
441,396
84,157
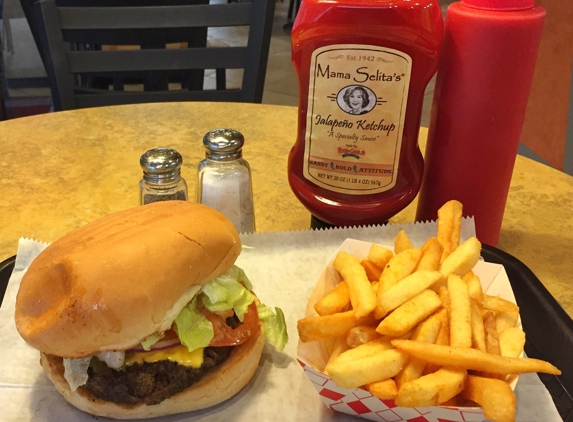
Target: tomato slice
227,336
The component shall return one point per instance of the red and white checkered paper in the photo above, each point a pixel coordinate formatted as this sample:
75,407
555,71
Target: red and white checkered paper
358,402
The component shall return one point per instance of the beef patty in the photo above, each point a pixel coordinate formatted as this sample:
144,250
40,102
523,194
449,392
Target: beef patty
149,383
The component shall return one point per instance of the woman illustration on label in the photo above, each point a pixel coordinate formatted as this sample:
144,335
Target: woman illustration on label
357,100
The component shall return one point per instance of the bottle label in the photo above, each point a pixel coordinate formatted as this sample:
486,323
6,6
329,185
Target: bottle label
356,106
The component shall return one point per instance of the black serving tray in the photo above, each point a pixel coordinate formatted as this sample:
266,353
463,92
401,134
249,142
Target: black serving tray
6,268
548,328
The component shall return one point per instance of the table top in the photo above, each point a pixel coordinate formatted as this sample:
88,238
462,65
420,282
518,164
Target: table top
63,170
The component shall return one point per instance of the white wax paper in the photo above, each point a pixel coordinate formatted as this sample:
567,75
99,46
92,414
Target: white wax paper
283,268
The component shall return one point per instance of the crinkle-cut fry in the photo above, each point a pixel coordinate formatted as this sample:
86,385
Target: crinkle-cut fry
474,286
427,332
335,325
432,389
353,373
431,256
361,335
335,301
399,267
511,342
379,255
494,396
406,289
460,313
384,390
362,297
449,226
463,259
473,359
410,314
402,242
373,272
478,330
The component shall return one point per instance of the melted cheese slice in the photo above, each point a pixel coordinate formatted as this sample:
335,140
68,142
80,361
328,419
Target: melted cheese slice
179,354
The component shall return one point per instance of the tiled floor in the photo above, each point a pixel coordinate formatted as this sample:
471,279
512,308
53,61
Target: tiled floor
281,86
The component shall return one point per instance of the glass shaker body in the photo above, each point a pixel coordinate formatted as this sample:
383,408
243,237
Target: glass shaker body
162,179
224,179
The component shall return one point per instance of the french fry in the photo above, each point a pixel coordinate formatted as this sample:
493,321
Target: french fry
335,325
335,301
449,226
379,255
463,259
503,321
511,342
405,289
491,336
362,296
494,396
459,311
384,390
399,267
478,330
473,359
365,350
431,255
401,242
443,337
474,287
432,389
335,346
353,373
373,272
427,332
497,304
361,335
410,314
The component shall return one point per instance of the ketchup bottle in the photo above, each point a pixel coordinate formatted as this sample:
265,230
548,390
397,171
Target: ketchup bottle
482,87
362,66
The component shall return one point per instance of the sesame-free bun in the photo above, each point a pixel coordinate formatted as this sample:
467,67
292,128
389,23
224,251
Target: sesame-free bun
110,284
222,383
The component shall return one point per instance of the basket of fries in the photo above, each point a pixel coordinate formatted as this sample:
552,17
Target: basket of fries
415,333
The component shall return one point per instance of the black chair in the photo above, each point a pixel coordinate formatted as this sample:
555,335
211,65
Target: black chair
74,36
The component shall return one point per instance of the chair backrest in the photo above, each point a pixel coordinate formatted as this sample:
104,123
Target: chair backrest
75,36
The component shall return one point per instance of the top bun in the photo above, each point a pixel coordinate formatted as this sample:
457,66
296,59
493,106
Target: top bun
112,283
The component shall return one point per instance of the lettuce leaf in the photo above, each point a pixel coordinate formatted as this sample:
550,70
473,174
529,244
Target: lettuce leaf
274,325
193,328
225,293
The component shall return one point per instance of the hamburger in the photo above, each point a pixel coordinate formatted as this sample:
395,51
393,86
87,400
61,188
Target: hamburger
143,313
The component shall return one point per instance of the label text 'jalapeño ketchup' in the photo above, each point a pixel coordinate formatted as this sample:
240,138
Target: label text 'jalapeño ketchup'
363,66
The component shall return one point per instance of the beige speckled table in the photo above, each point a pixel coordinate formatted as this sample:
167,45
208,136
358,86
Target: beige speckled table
62,170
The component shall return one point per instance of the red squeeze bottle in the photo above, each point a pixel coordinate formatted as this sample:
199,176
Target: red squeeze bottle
362,67
482,87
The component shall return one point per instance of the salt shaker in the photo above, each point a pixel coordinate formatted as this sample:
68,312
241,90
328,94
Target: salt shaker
224,178
162,179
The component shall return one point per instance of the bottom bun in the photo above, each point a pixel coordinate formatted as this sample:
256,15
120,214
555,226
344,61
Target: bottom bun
221,384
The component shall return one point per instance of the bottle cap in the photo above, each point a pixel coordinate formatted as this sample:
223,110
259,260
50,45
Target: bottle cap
501,5
223,144
161,165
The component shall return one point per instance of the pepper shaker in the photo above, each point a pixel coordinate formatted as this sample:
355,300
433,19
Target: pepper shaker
224,178
162,179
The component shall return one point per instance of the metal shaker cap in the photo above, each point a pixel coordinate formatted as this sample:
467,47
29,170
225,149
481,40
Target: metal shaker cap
161,165
223,144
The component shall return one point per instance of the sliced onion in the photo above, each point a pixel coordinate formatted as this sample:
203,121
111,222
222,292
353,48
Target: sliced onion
160,345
